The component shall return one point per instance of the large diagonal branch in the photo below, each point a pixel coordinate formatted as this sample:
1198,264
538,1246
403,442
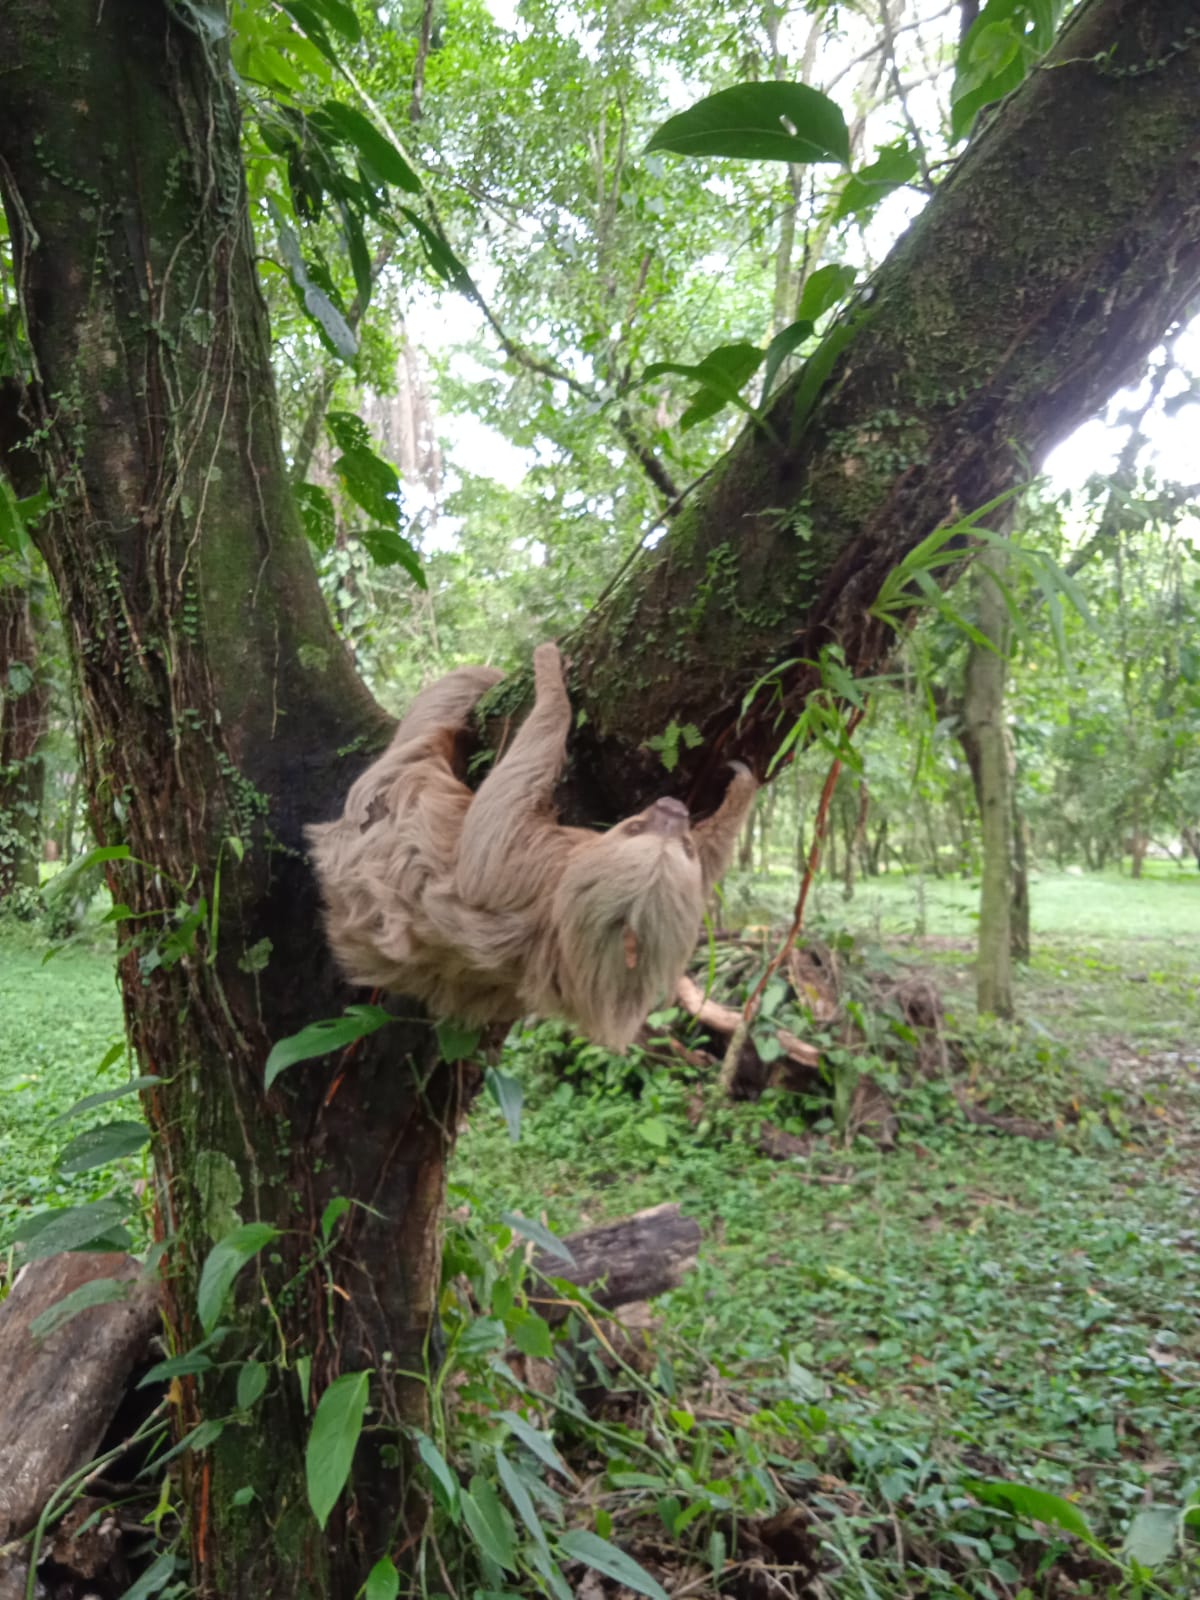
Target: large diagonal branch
1036,282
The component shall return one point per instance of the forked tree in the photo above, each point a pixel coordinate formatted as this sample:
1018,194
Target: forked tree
217,703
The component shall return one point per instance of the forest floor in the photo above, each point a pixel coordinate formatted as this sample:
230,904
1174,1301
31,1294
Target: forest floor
868,1333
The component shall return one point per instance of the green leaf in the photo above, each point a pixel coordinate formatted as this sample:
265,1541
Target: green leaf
383,1581
320,308
520,1497
534,1441
780,347
823,289
597,1553
751,122
182,1366
816,370
654,1131
863,190
99,1292
49,1232
339,14
98,1146
445,1484
320,1038
155,1578
508,1094
387,548
438,253
489,1524
333,1214
1037,1504
13,534
379,155
93,858
456,1042
104,1096
371,483
316,513
223,1263
530,1228
333,1440
251,1382
531,1335
1153,1535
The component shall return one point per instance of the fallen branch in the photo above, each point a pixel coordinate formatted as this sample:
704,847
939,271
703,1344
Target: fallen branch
620,1262
726,1020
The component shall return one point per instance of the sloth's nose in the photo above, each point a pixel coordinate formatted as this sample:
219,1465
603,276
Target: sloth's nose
670,816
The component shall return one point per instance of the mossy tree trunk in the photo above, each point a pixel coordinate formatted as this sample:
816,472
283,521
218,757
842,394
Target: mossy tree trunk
983,718
24,720
217,702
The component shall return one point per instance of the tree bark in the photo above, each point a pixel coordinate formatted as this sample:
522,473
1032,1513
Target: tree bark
983,715
24,720
217,703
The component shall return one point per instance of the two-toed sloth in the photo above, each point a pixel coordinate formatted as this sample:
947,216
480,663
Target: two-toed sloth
483,906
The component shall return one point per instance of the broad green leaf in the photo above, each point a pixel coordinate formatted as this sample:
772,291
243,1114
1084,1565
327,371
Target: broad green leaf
534,1441
104,1096
337,331
387,548
223,1263
99,1292
862,191
333,1440
383,1581
595,1552
93,858
371,483
50,1232
320,1038
155,1578
816,370
537,1232
759,122
339,14
823,289
508,1094
333,1214
1153,1536
489,1524
456,1042
201,1436
1037,1504
379,155
780,347
316,513
531,1334
251,1382
13,533
521,1499
438,253
98,1146
181,1366
445,1483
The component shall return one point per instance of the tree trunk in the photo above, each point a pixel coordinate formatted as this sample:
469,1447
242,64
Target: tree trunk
216,702
983,715
24,719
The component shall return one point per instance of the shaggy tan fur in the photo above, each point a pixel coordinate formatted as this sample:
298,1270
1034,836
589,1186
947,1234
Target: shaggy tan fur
485,907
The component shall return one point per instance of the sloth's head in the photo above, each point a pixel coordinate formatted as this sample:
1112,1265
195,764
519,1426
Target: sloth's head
627,908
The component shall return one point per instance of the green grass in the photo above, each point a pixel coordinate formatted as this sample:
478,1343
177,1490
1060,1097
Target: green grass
58,1020
966,1306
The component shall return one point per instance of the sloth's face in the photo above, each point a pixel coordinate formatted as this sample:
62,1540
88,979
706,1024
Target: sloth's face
665,820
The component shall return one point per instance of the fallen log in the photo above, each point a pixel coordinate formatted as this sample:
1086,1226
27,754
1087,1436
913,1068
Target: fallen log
622,1262
59,1393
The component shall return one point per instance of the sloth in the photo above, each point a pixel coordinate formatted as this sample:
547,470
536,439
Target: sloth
484,906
